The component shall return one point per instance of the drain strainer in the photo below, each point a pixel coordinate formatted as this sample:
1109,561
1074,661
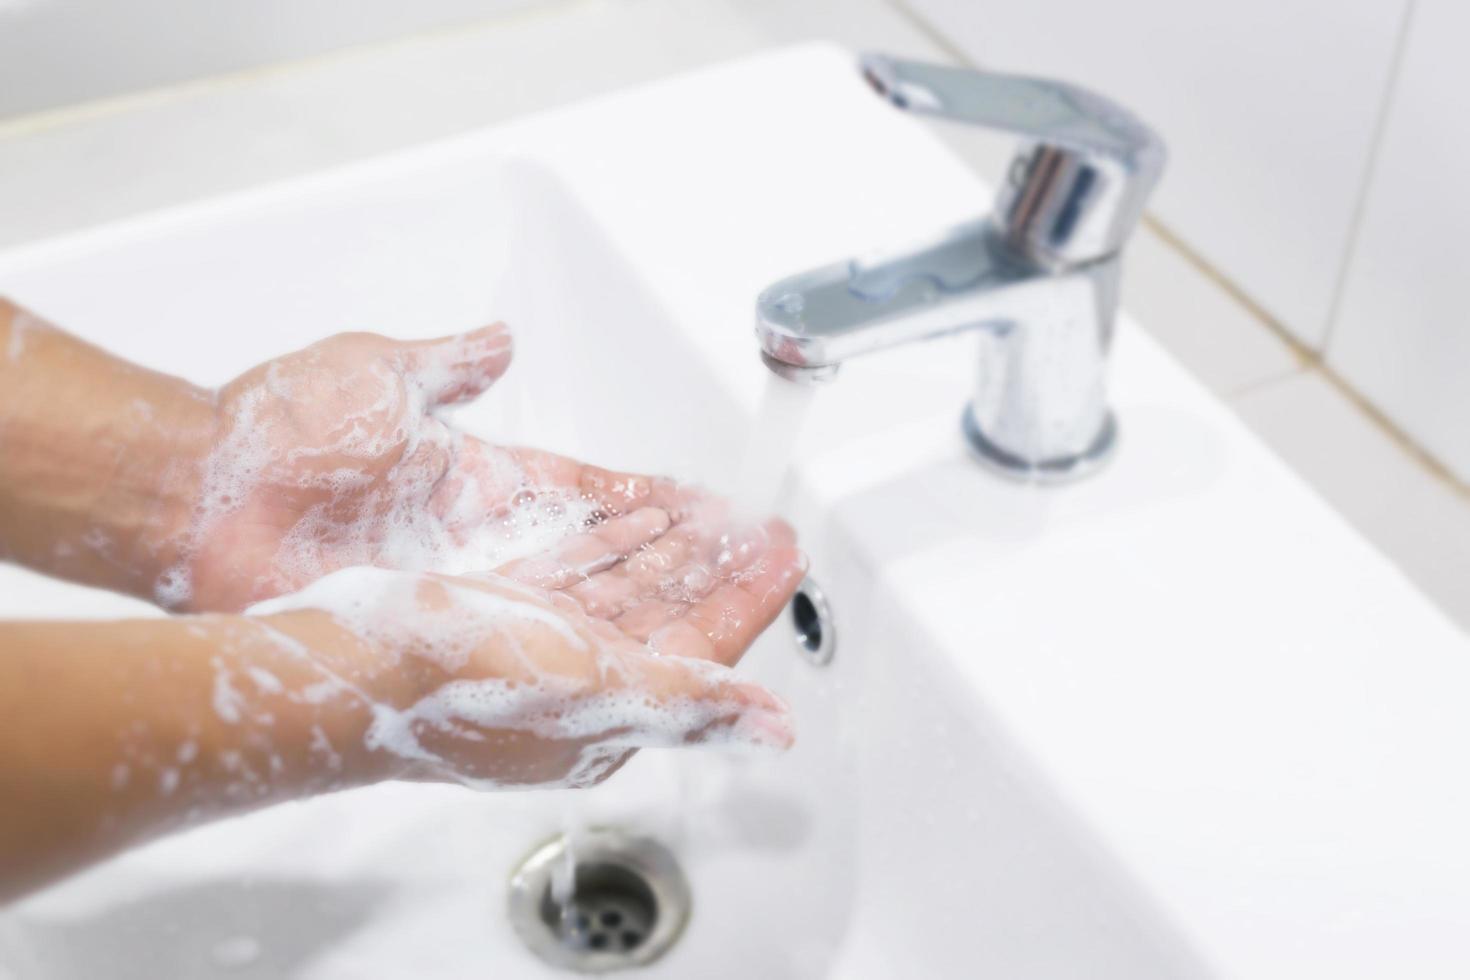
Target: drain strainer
628,904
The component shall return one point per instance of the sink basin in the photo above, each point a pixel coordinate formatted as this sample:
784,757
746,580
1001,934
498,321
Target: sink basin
1177,720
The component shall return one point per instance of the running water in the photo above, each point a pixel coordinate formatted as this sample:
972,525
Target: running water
782,413
778,423
564,875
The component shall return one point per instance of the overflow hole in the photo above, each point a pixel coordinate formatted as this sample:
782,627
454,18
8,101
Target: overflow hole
808,624
812,626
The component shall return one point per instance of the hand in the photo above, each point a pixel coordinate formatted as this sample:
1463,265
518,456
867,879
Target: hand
332,457
616,608
486,681
371,674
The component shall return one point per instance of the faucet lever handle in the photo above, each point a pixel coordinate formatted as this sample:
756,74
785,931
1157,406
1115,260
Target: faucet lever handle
1077,189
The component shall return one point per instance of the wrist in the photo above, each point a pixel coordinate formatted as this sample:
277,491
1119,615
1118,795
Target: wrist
175,446
99,459
344,682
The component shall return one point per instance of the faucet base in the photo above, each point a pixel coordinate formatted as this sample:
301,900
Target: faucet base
1050,471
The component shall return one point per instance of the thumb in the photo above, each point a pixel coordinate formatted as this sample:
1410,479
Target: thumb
456,368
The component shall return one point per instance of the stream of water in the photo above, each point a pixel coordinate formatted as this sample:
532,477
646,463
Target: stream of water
759,491
564,875
769,447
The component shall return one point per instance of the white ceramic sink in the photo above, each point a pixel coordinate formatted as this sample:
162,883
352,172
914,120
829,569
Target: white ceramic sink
1177,720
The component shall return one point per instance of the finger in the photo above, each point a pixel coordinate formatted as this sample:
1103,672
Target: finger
684,565
652,701
695,701
578,558
645,618
611,766
606,596
722,620
732,541
679,638
459,367
639,578
736,612
739,546
614,492
619,490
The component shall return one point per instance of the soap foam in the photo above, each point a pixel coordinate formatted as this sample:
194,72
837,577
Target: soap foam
384,607
385,482
227,700
405,614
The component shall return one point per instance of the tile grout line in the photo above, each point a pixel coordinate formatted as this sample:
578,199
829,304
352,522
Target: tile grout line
1391,429
1312,362
932,34
1306,357
1247,388
1370,169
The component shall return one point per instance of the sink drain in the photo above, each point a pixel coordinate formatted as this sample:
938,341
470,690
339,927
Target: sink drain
628,904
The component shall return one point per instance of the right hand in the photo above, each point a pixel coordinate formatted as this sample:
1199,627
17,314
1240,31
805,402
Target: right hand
553,670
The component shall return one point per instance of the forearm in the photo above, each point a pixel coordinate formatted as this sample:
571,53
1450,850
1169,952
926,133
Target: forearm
99,459
119,732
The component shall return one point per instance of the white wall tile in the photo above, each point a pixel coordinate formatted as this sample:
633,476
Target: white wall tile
1416,518
1197,320
1403,331
54,52
1269,109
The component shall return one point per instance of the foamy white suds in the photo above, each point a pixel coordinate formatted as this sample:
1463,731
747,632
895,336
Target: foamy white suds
385,480
227,700
448,622
384,607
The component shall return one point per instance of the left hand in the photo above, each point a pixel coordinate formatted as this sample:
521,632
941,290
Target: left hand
333,456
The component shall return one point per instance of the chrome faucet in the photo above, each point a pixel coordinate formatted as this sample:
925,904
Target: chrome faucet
1038,278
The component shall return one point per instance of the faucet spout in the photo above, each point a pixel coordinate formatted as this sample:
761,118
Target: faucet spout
798,373
1037,280
1039,403
827,315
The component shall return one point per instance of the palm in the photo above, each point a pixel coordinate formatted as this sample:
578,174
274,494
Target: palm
669,609
693,584
558,711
